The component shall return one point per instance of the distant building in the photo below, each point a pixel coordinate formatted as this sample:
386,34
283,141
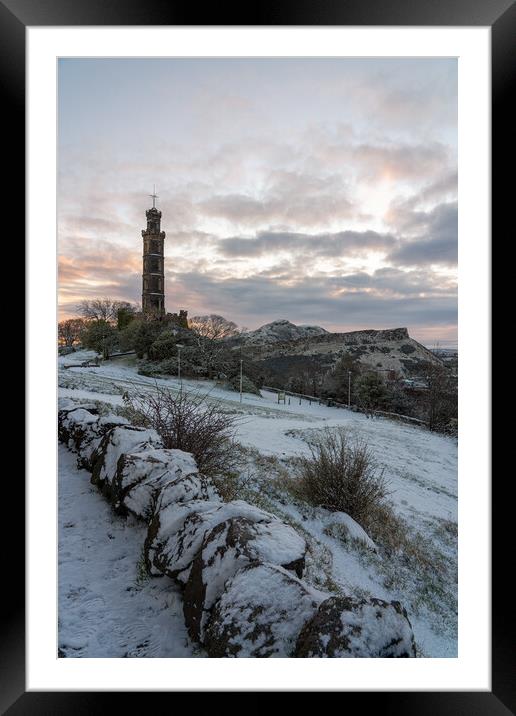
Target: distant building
153,277
179,319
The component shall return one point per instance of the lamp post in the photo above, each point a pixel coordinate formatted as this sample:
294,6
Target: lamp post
349,388
241,363
179,346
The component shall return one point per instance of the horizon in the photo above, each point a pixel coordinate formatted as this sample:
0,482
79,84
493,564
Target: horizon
323,190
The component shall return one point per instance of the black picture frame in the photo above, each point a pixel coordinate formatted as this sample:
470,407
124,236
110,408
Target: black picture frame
500,15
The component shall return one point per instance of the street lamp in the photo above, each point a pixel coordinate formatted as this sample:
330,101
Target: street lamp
179,346
349,388
241,362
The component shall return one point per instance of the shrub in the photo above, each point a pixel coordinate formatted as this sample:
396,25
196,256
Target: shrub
440,400
407,348
125,315
139,335
164,347
341,380
247,385
169,366
371,392
148,369
100,336
186,421
341,474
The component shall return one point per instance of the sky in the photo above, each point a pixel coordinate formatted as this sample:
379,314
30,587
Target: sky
323,191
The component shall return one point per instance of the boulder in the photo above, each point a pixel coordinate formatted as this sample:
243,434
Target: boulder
344,627
141,475
90,441
166,521
343,527
175,536
260,613
227,548
73,419
192,486
116,442
81,428
64,403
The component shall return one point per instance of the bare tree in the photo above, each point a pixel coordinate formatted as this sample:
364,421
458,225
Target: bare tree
440,398
211,350
69,331
102,309
213,327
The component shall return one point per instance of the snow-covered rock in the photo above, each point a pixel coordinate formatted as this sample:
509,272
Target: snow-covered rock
176,532
166,521
227,548
260,613
192,486
115,443
81,428
64,403
352,628
141,475
90,441
281,331
72,418
342,525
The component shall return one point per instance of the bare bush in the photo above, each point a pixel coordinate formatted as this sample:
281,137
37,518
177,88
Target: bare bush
340,474
187,421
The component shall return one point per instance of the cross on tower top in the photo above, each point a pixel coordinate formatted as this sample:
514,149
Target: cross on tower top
154,196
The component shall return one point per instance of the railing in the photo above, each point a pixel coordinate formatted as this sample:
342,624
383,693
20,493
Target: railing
85,364
330,403
310,398
119,355
393,416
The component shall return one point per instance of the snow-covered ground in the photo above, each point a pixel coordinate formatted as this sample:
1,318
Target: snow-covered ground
106,611
105,607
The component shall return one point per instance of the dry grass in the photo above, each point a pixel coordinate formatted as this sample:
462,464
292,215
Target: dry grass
232,484
340,474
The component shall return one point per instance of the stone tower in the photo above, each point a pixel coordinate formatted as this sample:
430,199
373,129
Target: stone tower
153,288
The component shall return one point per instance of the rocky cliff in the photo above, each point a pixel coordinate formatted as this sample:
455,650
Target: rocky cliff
389,349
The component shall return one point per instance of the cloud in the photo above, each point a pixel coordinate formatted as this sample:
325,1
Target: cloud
426,252
291,197
445,188
84,272
343,243
396,160
323,190
396,282
311,299
399,162
436,237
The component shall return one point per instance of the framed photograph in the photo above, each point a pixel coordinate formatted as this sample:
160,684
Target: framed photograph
258,263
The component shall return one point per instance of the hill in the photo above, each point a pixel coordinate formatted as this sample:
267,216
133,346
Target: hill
281,331
281,344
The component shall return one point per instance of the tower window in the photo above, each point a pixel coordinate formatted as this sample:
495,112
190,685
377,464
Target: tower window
153,264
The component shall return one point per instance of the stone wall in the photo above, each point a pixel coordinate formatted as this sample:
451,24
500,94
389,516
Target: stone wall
240,568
